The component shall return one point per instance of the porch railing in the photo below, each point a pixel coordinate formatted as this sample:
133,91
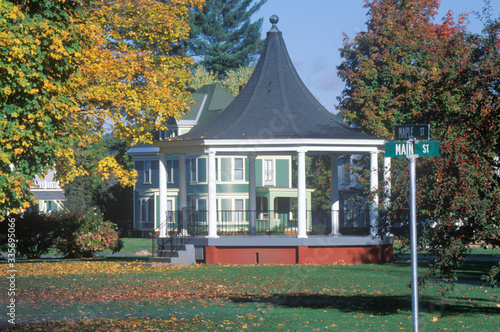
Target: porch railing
231,222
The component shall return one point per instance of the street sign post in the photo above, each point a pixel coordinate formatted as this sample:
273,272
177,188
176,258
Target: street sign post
406,149
417,131
412,149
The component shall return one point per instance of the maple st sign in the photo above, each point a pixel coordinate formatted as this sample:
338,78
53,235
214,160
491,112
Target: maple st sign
417,131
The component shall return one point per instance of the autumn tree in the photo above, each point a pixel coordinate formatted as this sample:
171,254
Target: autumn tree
129,84
232,81
224,36
40,48
407,69
75,70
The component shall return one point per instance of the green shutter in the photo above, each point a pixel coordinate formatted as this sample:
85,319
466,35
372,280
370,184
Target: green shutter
282,173
226,207
226,169
258,172
202,204
246,169
202,170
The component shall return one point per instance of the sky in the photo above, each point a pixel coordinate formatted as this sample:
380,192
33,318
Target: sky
313,33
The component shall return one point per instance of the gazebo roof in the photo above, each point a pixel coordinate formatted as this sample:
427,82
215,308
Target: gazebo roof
275,104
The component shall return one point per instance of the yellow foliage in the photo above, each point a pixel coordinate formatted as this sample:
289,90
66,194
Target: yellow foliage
109,166
128,83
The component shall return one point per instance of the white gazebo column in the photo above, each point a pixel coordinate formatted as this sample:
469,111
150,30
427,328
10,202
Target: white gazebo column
212,196
373,189
301,194
163,195
252,196
182,192
335,206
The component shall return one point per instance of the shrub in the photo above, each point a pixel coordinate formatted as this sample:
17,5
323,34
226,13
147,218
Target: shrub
34,232
84,235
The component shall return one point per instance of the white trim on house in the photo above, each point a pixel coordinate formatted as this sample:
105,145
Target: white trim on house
269,173
196,172
257,143
192,123
241,169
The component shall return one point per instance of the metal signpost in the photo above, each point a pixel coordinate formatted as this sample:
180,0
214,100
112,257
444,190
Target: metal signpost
412,149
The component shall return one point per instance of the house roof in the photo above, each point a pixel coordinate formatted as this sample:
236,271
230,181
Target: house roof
275,104
49,195
210,100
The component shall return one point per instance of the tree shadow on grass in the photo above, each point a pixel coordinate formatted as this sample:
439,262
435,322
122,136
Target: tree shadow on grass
371,304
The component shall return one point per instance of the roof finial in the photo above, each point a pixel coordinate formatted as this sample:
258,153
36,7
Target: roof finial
274,20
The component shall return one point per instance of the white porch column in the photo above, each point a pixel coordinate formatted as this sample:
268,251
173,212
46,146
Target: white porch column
163,195
301,194
182,192
335,206
212,196
252,196
374,188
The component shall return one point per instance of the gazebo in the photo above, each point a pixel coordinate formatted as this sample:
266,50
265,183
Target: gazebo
274,114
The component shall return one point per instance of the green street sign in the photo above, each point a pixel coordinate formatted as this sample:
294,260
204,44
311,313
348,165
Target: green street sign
405,132
404,149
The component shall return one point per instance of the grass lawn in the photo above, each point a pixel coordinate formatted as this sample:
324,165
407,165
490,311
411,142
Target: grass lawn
133,245
474,251
104,295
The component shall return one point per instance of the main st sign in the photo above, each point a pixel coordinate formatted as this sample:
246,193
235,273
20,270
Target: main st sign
405,149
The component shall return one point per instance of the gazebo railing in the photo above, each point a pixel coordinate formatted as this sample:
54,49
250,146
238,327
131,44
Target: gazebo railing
237,222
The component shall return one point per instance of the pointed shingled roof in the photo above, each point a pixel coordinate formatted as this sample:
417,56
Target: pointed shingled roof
275,104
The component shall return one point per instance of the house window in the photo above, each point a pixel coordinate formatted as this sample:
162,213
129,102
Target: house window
194,203
194,169
346,172
170,171
238,169
170,212
268,172
147,209
166,134
239,209
147,171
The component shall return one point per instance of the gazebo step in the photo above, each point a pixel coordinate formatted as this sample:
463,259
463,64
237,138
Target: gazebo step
184,256
169,253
